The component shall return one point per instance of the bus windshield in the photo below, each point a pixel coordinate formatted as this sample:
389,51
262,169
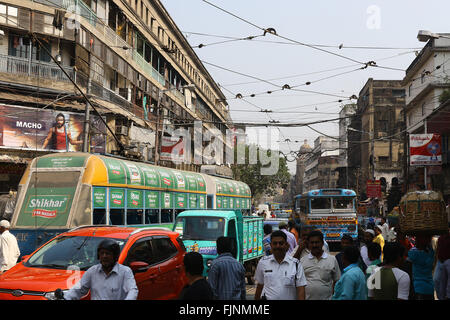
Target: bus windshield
320,203
200,228
343,203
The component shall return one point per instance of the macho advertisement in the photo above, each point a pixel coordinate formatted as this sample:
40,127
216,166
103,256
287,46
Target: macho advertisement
42,129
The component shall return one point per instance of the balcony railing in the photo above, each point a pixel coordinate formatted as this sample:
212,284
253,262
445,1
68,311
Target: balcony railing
23,66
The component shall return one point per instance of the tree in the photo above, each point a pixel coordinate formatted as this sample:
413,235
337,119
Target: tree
259,183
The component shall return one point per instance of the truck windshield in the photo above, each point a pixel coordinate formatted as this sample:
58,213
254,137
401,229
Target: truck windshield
64,252
200,228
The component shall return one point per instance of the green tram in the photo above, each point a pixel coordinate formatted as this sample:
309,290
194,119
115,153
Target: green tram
62,191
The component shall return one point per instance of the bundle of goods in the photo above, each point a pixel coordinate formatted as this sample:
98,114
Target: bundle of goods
423,212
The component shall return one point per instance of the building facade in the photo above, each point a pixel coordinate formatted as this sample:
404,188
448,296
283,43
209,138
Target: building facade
380,104
427,107
321,164
127,57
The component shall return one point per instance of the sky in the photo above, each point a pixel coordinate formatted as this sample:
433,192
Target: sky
380,31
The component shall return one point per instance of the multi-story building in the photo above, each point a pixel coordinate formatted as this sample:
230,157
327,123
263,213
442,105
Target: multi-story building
321,164
380,103
127,56
303,154
427,105
345,117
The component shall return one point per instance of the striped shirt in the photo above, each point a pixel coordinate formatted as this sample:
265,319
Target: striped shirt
227,278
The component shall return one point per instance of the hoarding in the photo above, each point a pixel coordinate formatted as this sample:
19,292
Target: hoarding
425,149
43,129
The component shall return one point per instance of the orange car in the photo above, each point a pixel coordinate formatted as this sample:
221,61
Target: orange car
154,254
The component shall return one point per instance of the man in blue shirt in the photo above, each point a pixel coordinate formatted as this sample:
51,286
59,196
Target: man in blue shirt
422,259
227,275
352,284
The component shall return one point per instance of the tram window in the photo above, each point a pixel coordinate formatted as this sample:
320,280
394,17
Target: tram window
178,211
135,216
151,216
117,217
99,216
166,215
320,203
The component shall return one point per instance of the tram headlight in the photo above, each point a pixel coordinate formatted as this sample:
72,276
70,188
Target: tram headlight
209,263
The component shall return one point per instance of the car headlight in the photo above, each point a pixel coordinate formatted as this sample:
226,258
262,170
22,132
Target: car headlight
51,295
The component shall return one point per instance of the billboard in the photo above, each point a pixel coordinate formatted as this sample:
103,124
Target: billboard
425,149
41,129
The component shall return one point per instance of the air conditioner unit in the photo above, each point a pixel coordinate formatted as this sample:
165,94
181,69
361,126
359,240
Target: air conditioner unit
123,130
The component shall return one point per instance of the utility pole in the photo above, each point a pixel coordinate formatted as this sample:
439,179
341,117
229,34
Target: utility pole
157,138
86,112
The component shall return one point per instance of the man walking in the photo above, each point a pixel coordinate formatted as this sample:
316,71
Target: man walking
279,276
321,269
9,249
352,284
283,226
227,276
197,288
389,282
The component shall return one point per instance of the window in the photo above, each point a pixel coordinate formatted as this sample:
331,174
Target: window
135,216
423,109
117,217
18,46
409,90
320,203
166,215
163,249
99,216
151,216
140,251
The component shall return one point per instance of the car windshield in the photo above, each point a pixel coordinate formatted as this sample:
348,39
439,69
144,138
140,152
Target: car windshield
69,252
200,228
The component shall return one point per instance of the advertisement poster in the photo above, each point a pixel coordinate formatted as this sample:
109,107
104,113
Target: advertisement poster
172,149
425,149
44,129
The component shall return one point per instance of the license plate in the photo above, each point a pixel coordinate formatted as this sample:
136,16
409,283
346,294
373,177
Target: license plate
333,235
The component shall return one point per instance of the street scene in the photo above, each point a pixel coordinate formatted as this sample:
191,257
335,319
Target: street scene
222,150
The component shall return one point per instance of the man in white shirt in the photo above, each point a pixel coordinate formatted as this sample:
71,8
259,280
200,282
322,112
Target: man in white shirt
321,269
279,276
107,280
384,229
9,249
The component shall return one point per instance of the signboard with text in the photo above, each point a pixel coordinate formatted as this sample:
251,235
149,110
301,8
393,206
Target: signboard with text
373,189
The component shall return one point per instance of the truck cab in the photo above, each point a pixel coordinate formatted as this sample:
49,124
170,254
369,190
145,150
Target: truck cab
199,230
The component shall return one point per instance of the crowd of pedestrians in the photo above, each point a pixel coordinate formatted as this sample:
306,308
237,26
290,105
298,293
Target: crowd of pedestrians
396,268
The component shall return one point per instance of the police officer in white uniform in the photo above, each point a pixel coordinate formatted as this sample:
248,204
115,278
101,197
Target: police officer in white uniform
279,276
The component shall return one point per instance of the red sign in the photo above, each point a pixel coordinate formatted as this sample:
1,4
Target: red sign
44,213
373,189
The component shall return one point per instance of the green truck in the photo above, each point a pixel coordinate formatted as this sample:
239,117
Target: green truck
199,230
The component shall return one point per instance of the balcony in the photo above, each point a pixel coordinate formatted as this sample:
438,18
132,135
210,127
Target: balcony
25,67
